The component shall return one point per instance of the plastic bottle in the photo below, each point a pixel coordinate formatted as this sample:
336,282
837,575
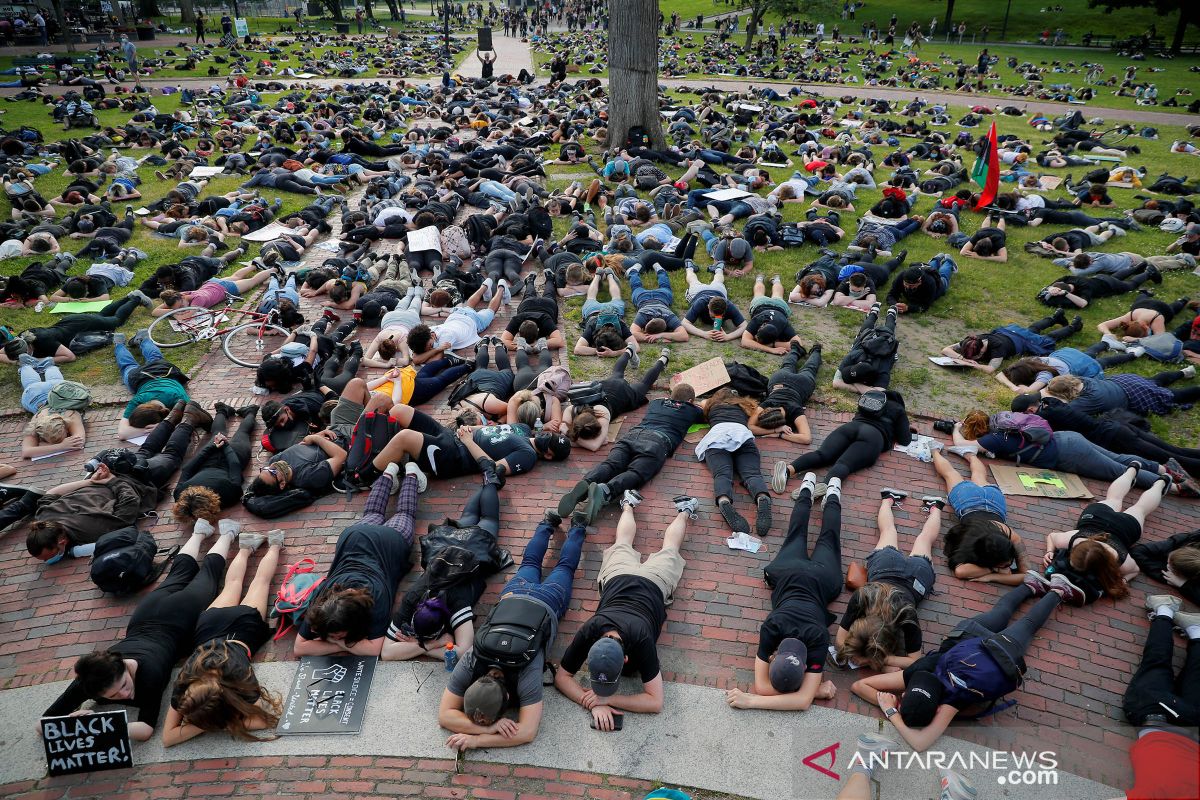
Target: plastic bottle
451,657
717,323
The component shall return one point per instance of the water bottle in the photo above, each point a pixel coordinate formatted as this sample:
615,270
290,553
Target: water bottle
451,657
718,322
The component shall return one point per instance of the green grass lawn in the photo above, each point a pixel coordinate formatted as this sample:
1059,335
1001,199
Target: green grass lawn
1058,65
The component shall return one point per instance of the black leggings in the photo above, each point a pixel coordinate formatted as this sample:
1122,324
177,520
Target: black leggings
824,566
424,261
335,372
503,264
1022,632
653,258
745,462
1058,216
527,374
854,446
109,318
1154,689
209,457
1138,442
483,509
800,379
1049,322
164,450
623,396
632,462
178,601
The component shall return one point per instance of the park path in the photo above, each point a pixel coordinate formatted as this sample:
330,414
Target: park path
512,56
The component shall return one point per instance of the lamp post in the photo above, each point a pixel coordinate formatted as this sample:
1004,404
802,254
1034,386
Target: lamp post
446,26
1004,27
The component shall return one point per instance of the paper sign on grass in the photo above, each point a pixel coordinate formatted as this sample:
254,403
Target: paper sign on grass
268,233
727,194
205,172
703,377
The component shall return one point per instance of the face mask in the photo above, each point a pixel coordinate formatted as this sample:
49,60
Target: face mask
56,559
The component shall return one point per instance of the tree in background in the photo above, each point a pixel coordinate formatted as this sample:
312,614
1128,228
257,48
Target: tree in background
633,73
816,9
1188,10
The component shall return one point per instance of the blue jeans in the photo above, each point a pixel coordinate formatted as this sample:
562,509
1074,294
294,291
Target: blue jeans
555,589
274,293
127,363
969,496
945,267
35,389
497,190
641,295
591,307
1077,454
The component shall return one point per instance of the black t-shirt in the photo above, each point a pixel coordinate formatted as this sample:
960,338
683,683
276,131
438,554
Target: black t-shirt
460,599
305,406
912,631
374,557
542,310
96,285
795,618
769,314
697,312
310,467
670,418
592,325
634,607
510,443
998,346
845,288
47,341
1123,529
995,234
1076,240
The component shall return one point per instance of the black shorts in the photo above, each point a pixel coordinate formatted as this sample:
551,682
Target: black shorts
242,623
443,456
1099,518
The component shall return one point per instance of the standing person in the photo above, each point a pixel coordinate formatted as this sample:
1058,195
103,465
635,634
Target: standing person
622,636
39,21
129,51
358,19
199,26
226,25
793,641
481,692
137,670
217,689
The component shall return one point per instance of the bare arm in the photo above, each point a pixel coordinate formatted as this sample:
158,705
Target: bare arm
648,701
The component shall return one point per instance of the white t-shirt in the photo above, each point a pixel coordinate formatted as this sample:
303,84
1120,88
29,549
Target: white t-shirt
459,330
392,213
1030,201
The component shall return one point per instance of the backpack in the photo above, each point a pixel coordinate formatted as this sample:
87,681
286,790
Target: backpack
586,394
295,595
516,630
637,137
554,382
791,234
372,431
123,561
69,396
983,670
746,380
879,343
1035,432
648,176
273,506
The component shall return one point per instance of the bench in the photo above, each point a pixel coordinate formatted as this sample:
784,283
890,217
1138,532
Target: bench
88,62
1091,40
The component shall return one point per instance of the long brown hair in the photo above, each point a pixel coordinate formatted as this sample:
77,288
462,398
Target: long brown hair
879,632
728,397
1025,371
1092,557
215,693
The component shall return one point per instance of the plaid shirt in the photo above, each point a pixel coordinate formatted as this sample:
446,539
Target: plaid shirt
1145,396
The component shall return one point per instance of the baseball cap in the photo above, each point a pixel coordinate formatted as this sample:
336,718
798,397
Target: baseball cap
270,412
921,699
1024,402
485,698
787,668
556,444
606,659
739,248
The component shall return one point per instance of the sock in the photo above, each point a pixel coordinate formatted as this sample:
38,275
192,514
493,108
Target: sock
1193,631
82,550
1165,611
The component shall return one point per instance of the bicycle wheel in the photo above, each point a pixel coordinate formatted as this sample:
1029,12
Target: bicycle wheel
1114,136
183,326
247,345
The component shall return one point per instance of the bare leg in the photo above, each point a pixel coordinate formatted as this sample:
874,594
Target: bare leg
923,546
673,538
858,787
1119,488
626,527
260,588
947,473
1148,501
593,292
760,288
886,521
235,575
614,288
777,288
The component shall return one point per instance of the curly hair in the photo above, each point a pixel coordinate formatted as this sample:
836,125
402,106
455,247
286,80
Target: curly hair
215,692
197,502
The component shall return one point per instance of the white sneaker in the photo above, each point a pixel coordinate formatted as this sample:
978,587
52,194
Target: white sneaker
203,528
251,541
229,527
393,472
1189,371
411,468
276,537
964,450
956,787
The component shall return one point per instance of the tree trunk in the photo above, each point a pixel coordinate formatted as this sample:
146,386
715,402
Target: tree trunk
1186,14
187,11
757,12
949,17
148,8
335,9
633,72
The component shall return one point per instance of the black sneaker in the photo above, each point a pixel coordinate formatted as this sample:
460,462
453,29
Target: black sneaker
897,496
764,520
597,497
929,501
736,522
572,498
552,518
944,426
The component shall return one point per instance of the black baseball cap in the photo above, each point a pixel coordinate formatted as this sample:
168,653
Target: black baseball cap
787,668
921,699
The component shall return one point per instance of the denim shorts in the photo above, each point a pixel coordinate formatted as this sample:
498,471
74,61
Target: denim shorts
968,496
229,286
915,572
591,307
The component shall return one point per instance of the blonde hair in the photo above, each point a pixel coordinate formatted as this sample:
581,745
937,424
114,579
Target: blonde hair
1064,387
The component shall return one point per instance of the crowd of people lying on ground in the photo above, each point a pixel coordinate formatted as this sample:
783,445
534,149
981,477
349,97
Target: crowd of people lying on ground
455,225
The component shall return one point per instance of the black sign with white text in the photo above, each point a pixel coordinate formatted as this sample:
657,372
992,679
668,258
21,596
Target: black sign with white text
87,743
329,695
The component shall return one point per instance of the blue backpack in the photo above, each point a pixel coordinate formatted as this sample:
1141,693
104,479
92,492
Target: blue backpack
981,670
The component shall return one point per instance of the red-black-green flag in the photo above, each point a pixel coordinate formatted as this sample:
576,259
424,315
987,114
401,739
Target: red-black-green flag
987,170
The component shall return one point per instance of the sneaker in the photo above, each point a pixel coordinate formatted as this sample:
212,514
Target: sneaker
597,496
520,342
551,518
896,495
1154,601
541,344
1186,619
1188,487
874,749
251,541
1038,583
411,468
142,335
635,360
1189,371
505,291
631,499
1069,592
832,492
808,483
138,295
665,355
736,522
572,498
779,477
579,519
276,537
393,473
929,501
964,450
118,338
764,519
686,505
1137,351
956,787
229,527
203,527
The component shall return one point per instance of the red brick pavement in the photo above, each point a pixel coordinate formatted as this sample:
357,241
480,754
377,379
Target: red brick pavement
1078,668
256,778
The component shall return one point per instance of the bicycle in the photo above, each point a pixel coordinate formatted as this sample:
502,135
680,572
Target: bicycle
243,343
1114,136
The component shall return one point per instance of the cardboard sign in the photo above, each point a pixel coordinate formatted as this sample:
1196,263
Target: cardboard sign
240,27
329,695
426,238
703,377
267,233
205,172
1034,482
483,39
726,194
87,743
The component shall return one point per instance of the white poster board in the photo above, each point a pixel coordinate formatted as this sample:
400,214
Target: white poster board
426,238
205,172
268,233
727,194
240,27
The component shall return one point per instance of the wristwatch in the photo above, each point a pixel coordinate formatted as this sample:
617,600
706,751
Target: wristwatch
890,712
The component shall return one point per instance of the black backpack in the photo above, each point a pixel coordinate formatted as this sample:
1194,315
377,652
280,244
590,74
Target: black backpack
83,343
123,562
274,506
516,630
879,343
746,380
372,431
637,137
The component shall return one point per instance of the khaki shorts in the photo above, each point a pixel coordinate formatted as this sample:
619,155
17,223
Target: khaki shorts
345,416
663,569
